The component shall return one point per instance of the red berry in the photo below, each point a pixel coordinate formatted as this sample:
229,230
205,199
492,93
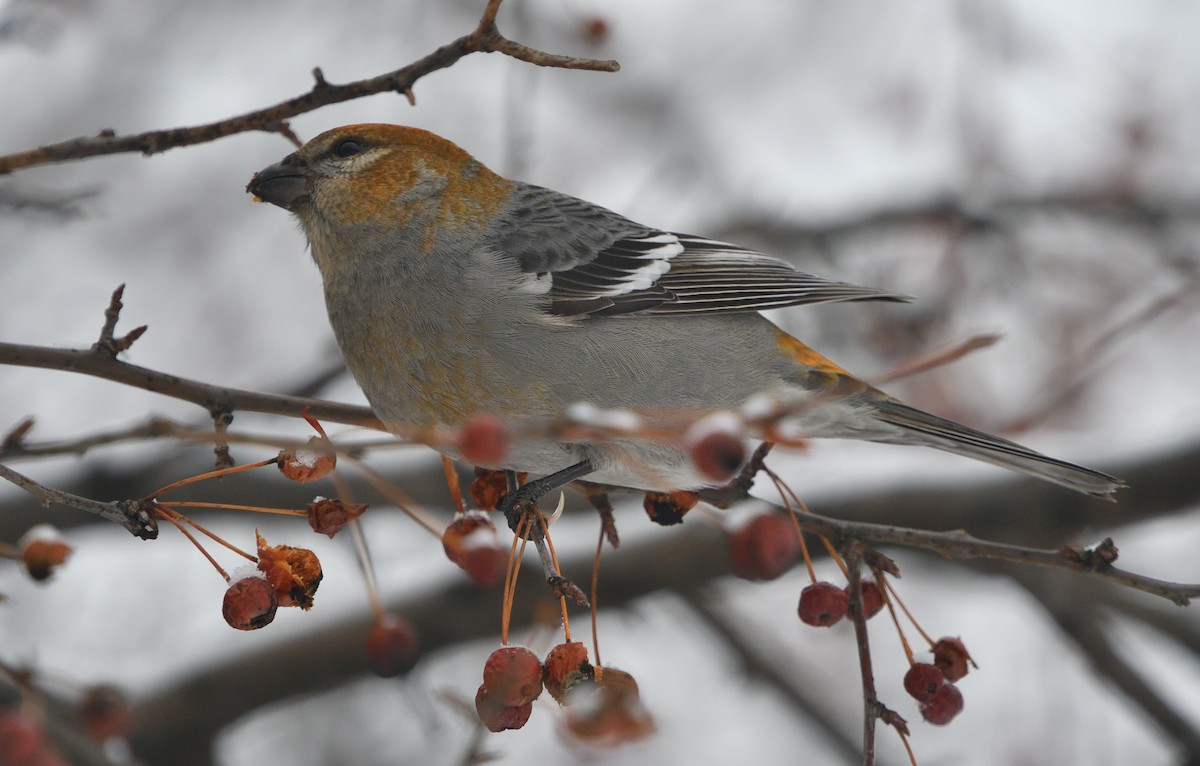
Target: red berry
566,666
483,441
489,487
923,680
497,717
718,445
391,646
250,603
609,712
104,713
765,548
595,30
669,508
822,604
951,656
470,542
872,598
512,676
946,703
22,738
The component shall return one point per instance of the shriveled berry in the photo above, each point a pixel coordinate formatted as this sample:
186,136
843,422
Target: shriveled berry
313,461
295,573
764,548
946,703
923,680
250,603
391,646
329,516
822,604
566,666
951,656
513,676
497,717
872,598
669,508
484,441
470,542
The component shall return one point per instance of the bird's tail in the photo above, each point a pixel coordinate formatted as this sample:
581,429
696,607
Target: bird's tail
922,428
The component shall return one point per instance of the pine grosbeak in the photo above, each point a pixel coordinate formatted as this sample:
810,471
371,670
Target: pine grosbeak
453,291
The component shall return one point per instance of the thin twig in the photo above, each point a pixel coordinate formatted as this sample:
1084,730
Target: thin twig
853,555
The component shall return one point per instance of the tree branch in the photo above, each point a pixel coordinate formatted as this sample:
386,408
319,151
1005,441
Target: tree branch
486,38
210,397
129,514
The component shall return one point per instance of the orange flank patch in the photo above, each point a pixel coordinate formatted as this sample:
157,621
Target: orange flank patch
803,355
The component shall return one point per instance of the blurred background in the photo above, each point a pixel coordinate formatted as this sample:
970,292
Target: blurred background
1022,168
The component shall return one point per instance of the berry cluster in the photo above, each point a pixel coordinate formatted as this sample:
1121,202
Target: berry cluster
932,684
602,704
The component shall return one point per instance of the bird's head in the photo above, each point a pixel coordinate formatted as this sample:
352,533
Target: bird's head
371,181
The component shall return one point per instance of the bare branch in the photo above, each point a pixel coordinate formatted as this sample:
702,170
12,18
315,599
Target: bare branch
958,544
129,514
273,119
208,396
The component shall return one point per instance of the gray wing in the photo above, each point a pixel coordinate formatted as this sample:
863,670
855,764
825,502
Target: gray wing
593,261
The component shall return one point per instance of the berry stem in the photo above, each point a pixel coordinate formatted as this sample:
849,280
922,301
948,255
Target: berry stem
361,552
908,614
785,490
396,497
210,475
169,516
511,571
885,588
595,587
452,482
779,487
232,507
207,533
912,757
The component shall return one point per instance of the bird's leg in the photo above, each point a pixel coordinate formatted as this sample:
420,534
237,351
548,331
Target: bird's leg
517,501
534,527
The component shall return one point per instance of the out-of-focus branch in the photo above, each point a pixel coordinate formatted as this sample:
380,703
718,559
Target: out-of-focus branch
486,38
1089,631
759,658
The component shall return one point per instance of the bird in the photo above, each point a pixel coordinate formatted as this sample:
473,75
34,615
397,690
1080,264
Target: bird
455,292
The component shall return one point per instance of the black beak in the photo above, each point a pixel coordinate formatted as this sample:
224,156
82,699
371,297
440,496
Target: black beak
284,184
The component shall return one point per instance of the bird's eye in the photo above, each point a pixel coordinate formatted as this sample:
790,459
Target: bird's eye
348,147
